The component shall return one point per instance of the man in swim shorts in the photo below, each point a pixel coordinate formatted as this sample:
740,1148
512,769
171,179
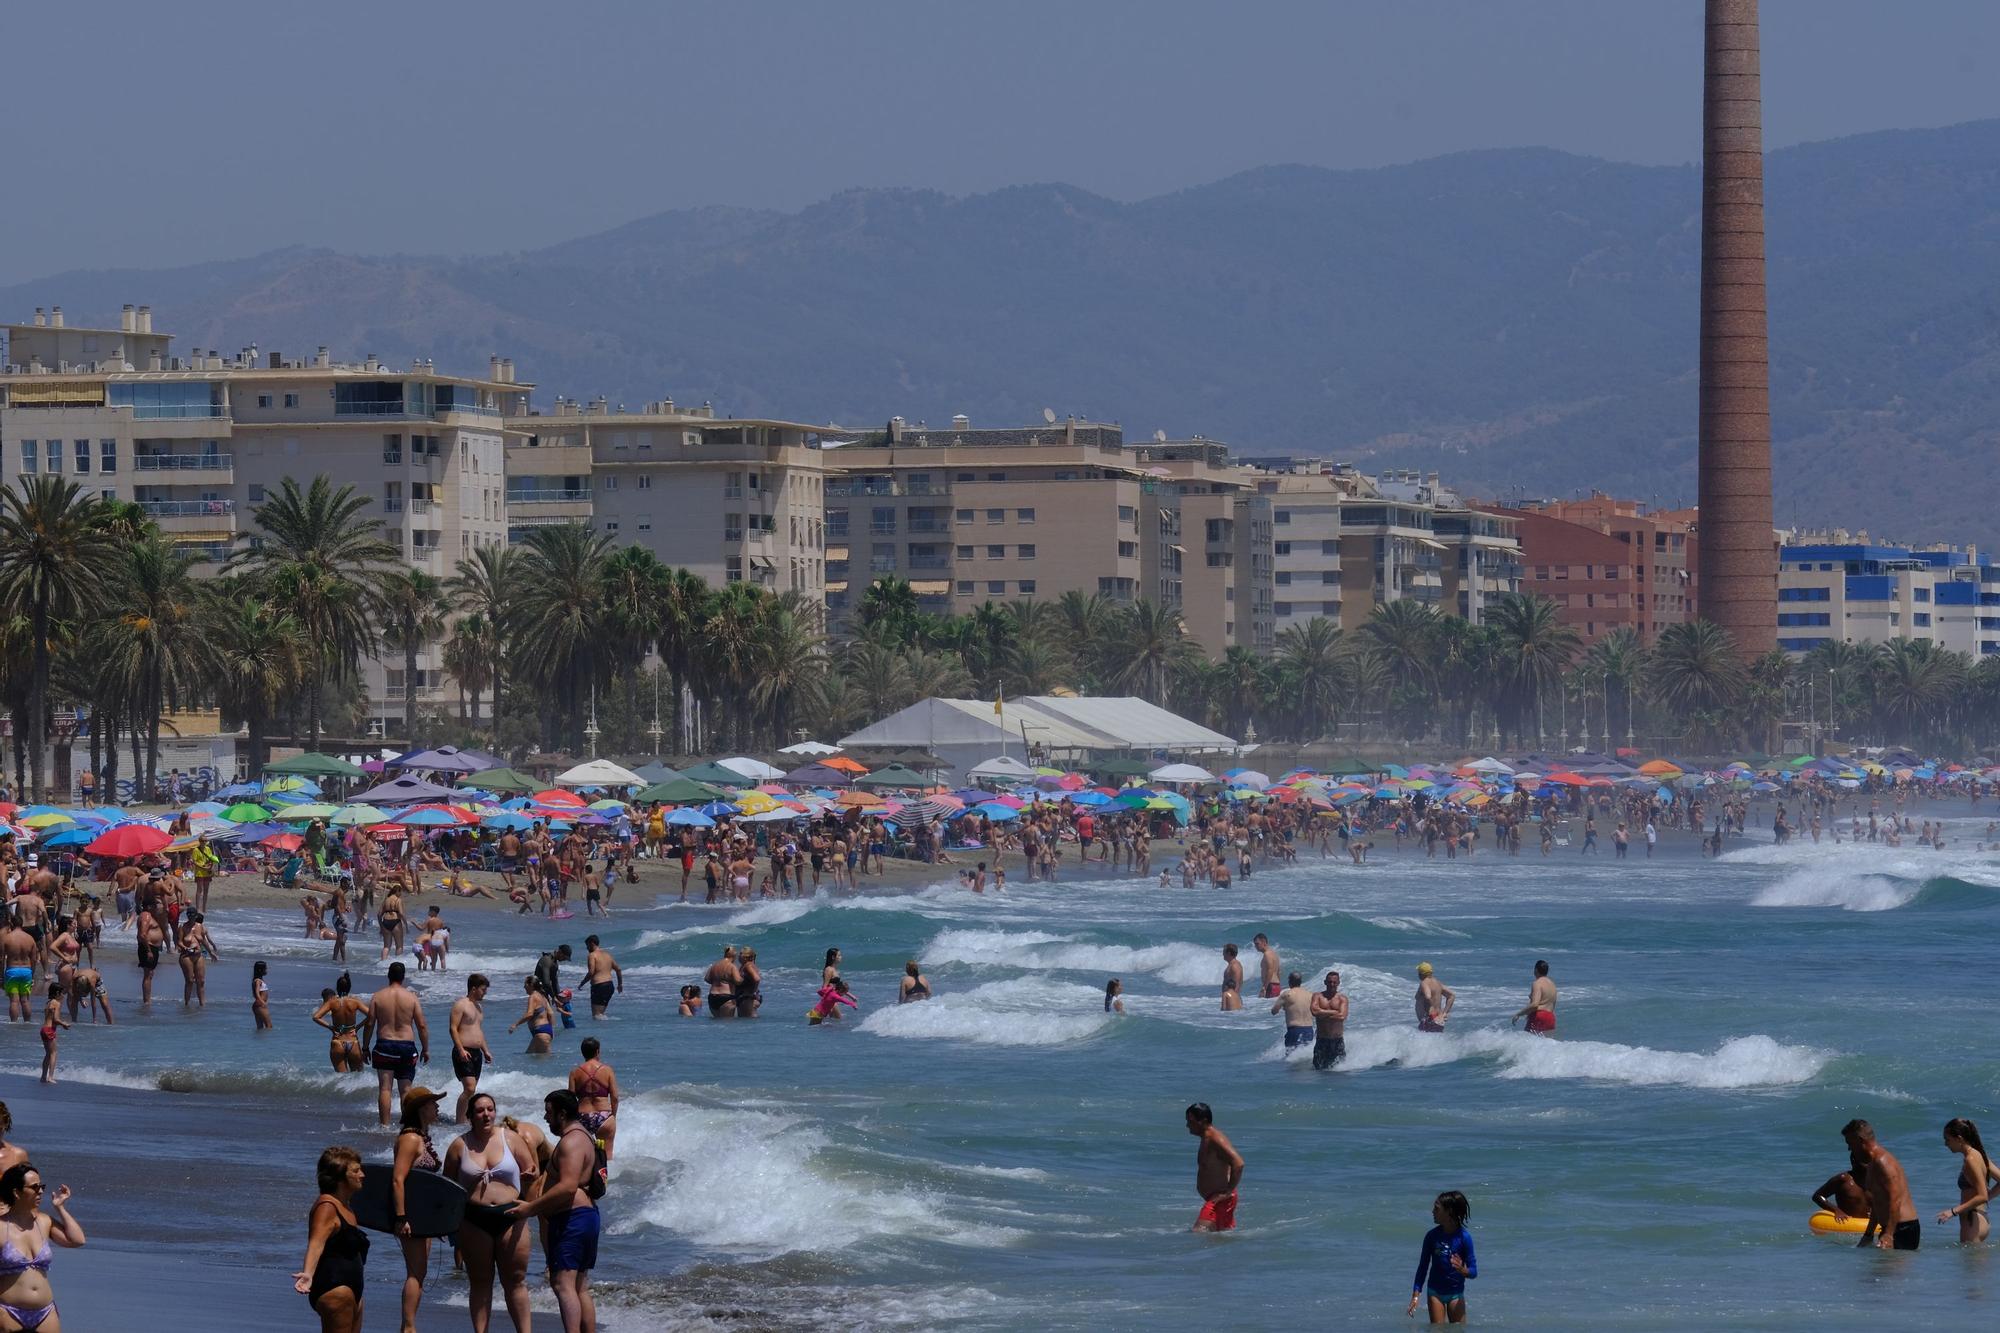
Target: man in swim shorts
1434,1000
605,976
1540,1010
1296,1002
1329,1014
402,1039
1892,1214
1271,964
570,1238
18,951
1232,980
1218,1169
469,1053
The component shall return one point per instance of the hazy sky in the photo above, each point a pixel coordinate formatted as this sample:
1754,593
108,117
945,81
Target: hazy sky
148,133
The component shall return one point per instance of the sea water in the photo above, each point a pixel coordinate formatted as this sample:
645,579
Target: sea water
1009,1156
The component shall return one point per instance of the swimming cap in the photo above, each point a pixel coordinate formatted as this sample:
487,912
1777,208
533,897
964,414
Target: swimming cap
1423,969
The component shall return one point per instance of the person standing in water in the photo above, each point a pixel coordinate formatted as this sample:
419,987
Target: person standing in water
915,985
1975,1174
402,1040
1446,1262
1271,964
1296,1002
606,978
1329,1014
1892,1214
1434,1000
1218,1170
1540,1010
1232,980
1846,1195
469,1052
1114,991
260,995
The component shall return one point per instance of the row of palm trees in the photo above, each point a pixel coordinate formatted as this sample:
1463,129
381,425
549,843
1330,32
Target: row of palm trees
102,614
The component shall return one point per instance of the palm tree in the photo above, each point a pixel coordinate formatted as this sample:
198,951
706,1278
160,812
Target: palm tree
484,585
889,604
1149,642
1619,658
54,555
790,661
561,619
465,658
729,647
323,561
413,608
1694,669
1536,648
877,675
260,654
1312,676
150,642
1405,632
1913,684
1086,620
684,606
633,580
1038,665
1240,688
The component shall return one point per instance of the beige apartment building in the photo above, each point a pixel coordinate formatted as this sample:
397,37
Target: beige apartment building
1212,544
198,440
1346,543
730,499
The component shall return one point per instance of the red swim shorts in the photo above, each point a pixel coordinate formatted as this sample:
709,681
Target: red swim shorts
1220,1213
1271,989
1542,1020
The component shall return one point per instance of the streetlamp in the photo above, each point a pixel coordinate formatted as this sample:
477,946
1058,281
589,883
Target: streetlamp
590,730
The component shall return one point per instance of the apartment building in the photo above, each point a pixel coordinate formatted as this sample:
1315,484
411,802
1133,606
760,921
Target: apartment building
1207,542
1864,592
970,516
199,440
730,499
1609,564
1345,543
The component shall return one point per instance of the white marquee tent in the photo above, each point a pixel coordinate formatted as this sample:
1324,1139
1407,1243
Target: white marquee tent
1051,729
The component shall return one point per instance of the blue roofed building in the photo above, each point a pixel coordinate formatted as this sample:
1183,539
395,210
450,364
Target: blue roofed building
1862,592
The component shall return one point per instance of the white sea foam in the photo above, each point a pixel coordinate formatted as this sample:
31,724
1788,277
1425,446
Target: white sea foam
93,1074
1176,964
706,1162
1416,925
1850,891
1741,1062
782,911
1022,1012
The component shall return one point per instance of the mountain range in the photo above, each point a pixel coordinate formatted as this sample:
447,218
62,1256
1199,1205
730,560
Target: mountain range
1523,321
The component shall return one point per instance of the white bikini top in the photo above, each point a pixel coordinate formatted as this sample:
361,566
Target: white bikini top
474,1173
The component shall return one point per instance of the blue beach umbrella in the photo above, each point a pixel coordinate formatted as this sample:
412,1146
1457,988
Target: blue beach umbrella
714,808
507,820
69,837
996,812
689,817
425,819
1090,798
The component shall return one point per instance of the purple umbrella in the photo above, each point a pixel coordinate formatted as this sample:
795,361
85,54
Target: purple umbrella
404,790
818,775
444,759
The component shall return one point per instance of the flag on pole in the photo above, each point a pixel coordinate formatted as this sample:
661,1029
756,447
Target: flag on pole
999,697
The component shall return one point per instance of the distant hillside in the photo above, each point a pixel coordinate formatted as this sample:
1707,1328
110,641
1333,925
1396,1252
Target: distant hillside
1520,320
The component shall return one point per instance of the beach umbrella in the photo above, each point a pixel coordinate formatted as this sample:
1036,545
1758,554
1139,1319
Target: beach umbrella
756,802
1133,800
315,766
714,808
811,749
895,775
996,812
403,790
444,759
599,773
1091,798
308,810
778,815
608,807
856,800
677,791
818,775
128,840
922,812
68,837
358,816
505,820
689,818
565,798
847,764
236,789
506,779
283,842
429,816
246,812
1004,766
1388,792
714,774
754,769
1181,773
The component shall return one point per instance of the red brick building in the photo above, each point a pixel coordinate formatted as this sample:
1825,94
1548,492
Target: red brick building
1606,563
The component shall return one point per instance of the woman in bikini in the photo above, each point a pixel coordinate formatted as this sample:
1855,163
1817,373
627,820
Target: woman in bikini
414,1152
749,985
495,1166
52,1022
341,1015
596,1087
193,944
27,1236
1975,1177
336,1246
260,995
541,1020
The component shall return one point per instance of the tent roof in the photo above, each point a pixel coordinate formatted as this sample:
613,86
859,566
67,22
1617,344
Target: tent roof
315,765
444,759
599,773
402,790
678,791
1001,766
656,772
716,773
1051,721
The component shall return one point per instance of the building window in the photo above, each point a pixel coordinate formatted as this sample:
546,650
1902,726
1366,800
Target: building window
107,455
1281,548
1284,578
1329,548
1024,552
1281,515
965,553
1329,608
611,526
1027,587
1128,515
996,516
31,462
965,587
996,553
263,400
882,520
1922,594
732,527
1921,618
1215,560
996,587
732,569
1024,516
1329,576
961,515
645,483
291,400
1128,550
83,458
836,522
1281,608
882,558
610,483
256,492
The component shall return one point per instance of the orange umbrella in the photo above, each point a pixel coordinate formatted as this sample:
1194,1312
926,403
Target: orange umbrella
844,764
555,796
857,799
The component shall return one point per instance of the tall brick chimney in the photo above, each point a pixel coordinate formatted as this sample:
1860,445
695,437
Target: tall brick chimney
1739,574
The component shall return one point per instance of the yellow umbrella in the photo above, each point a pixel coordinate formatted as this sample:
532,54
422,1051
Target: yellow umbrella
756,802
44,821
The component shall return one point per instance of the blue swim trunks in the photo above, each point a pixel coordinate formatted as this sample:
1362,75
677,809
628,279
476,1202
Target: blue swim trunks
572,1242
20,981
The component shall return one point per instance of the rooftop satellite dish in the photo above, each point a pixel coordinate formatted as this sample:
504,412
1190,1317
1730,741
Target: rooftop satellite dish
1159,437
1049,415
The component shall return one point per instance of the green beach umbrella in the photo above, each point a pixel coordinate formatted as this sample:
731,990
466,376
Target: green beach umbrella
352,816
680,791
310,810
245,812
315,766
504,779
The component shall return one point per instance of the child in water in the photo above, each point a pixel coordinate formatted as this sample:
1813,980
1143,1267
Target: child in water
260,995
831,997
1446,1262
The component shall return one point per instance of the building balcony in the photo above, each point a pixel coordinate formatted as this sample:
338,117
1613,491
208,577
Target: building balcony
929,562
398,693
185,462
421,506
188,508
393,505
548,495
466,409
177,411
